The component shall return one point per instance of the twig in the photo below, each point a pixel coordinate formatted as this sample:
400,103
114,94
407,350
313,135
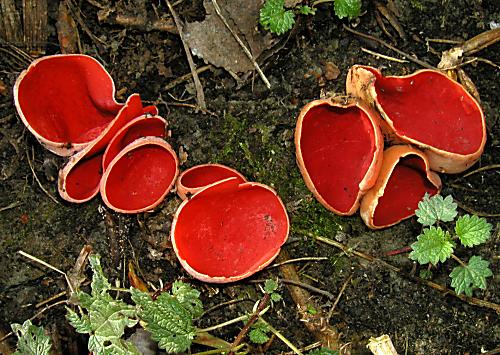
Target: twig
282,338
484,168
348,251
477,213
318,258
37,180
200,96
186,77
31,257
10,206
400,52
242,45
383,56
344,286
256,314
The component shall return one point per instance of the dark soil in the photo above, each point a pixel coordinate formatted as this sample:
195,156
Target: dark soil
251,129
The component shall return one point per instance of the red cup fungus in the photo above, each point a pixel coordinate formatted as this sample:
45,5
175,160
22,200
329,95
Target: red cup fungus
66,101
197,177
427,109
229,230
405,177
339,151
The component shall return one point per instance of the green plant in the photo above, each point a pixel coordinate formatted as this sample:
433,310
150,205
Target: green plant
436,244
277,19
31,339
169,318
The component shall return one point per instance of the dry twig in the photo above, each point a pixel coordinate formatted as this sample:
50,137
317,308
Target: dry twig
200,96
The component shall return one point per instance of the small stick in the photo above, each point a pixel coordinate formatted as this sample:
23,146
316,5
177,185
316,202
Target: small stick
348,251
200,96
318,258
242,45
400,52
383,56
10,206
262,305
398,251
477,213
37,180
484,168
186,77
33,258
344,286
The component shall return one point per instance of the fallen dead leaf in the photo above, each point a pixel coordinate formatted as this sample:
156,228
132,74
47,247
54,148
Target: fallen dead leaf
212,41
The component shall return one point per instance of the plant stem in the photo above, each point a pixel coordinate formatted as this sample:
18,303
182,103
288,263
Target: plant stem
458,260
318,2
281,337
221,325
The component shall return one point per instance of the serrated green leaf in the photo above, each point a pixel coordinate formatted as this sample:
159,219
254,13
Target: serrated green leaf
473,275
31,339
435,208
307,10
169,318
99,282
347,8
472,230
257,336
432,246
105,318
81,324
274,17
270,286
275,297
425,274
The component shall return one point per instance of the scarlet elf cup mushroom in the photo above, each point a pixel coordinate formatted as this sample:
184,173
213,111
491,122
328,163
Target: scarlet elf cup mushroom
67,102
427,109
229,230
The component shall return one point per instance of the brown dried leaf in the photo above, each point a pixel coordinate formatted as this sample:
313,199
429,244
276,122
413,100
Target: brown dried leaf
212,41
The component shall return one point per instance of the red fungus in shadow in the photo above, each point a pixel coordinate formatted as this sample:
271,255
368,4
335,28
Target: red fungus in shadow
229,231
403,181
339,150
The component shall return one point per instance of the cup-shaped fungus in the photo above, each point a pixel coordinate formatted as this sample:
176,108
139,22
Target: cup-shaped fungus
79,178
339,151
139,177
404,179
427,109
197,177
229,230
66,101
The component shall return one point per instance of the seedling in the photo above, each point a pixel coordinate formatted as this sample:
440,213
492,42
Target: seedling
31,339
277,19
436,244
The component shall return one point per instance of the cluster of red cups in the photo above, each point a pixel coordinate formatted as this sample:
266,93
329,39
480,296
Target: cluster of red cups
428,122
227,230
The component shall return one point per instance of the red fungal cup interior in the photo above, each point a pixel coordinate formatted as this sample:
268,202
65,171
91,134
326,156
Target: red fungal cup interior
141,177
228,230
337,146
204,175
83,180
406,187
432,109
67,99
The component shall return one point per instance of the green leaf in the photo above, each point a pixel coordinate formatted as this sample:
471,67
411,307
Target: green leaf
274,17
347,8
466,279
31,339
435,209
169,318
276,297
99,282
472,230
105,318
425,274
307,10
270,286
432,246
258,334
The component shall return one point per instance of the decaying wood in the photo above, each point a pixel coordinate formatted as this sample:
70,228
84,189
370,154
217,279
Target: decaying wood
67,31
10,21
35,25
316,324
138,23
